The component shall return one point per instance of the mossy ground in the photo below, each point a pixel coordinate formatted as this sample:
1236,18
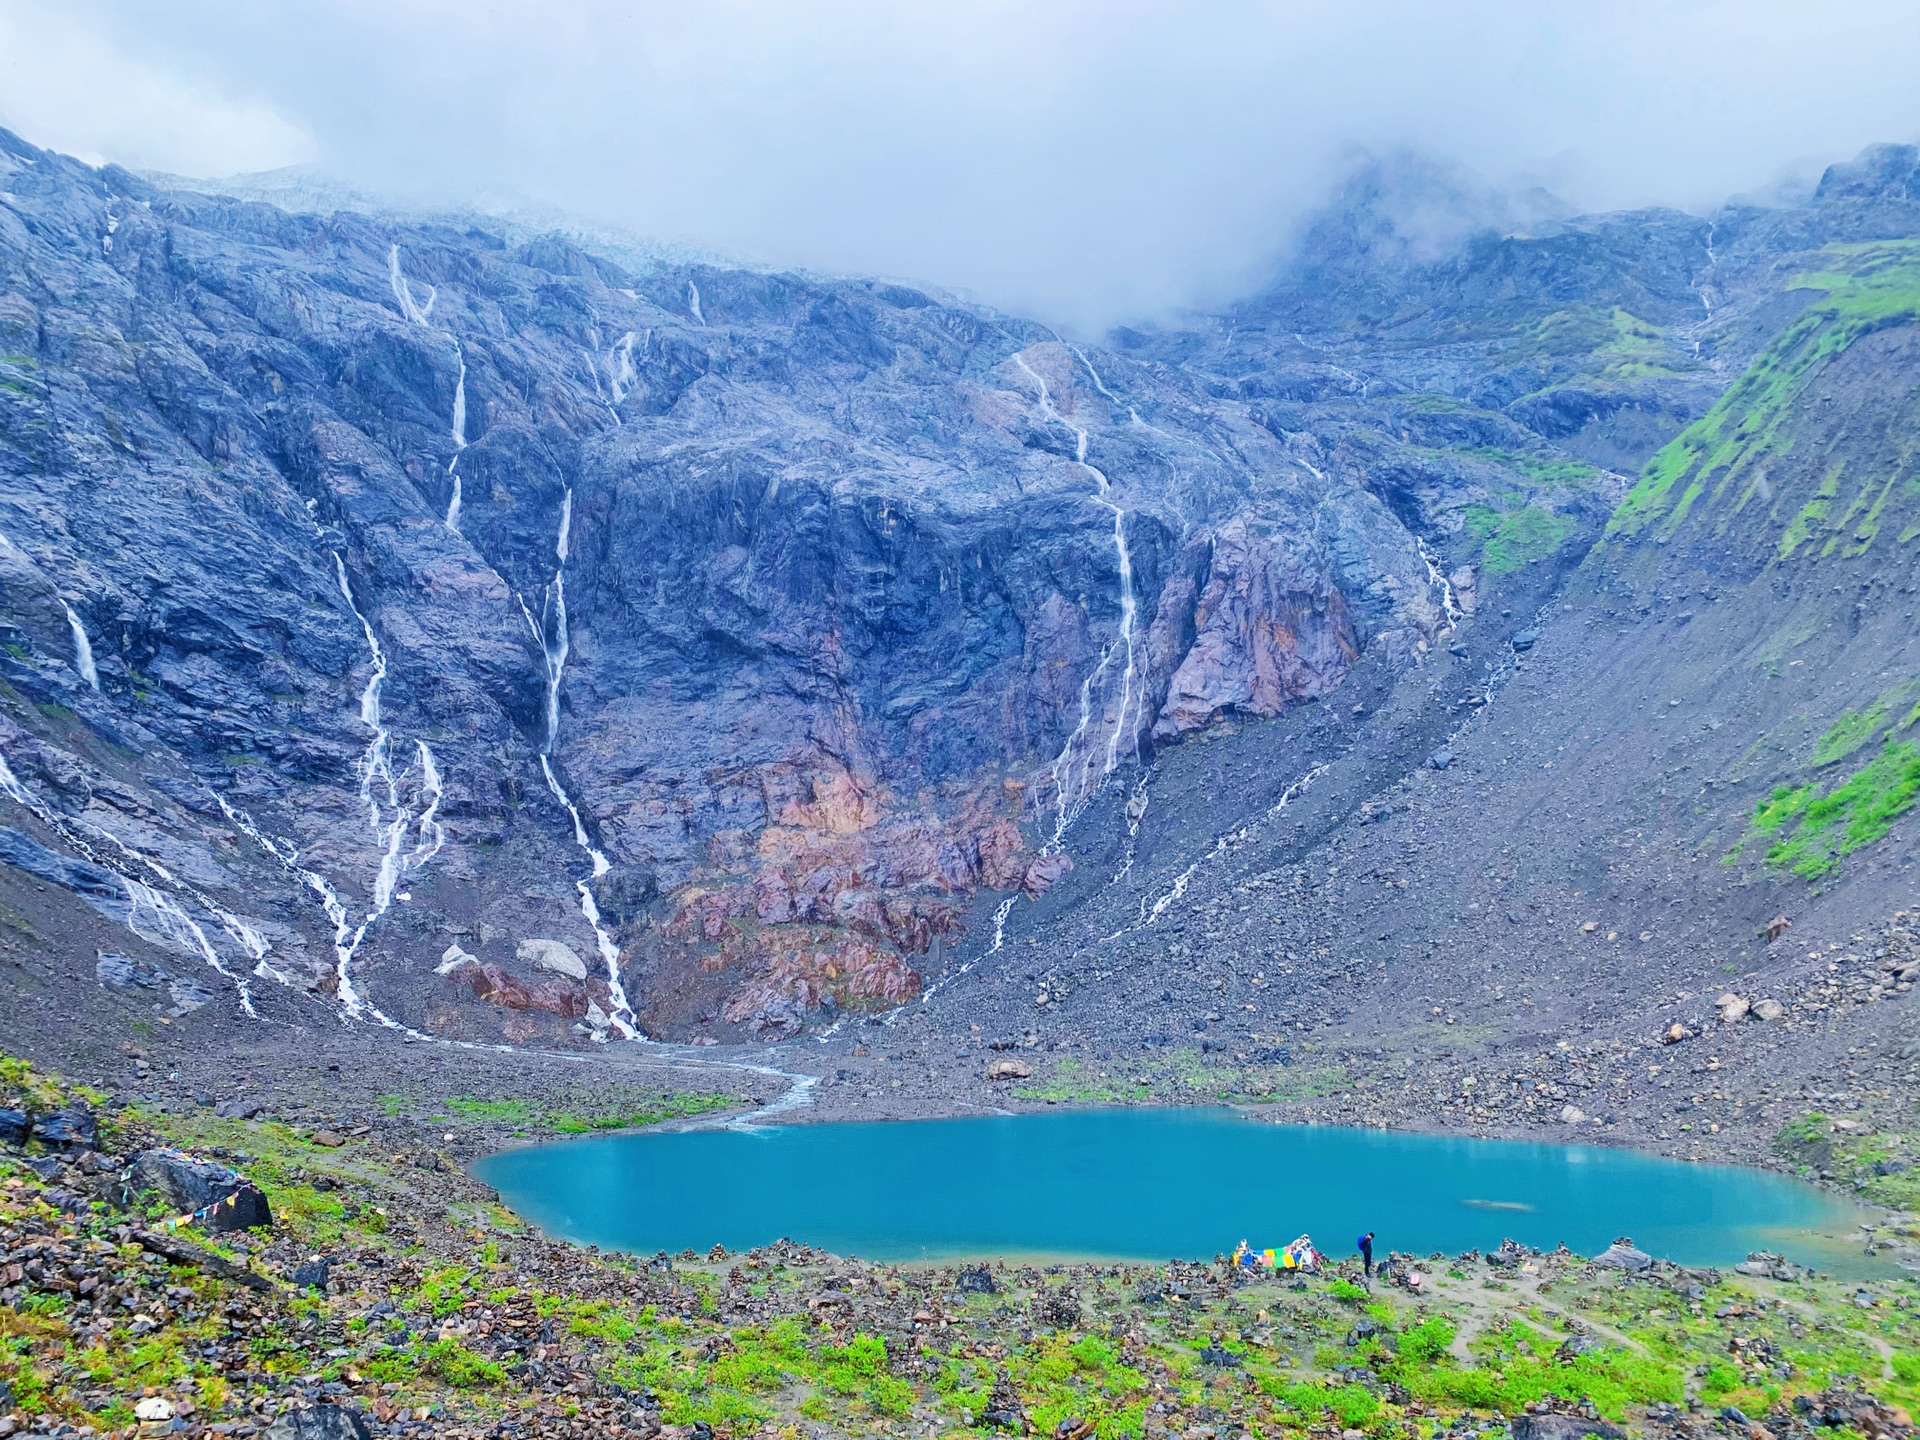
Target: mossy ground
525,1117
1183,1075
1810,826
1513,539
445,1306
1720,465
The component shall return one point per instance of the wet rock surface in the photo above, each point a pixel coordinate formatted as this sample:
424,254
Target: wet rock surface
914,692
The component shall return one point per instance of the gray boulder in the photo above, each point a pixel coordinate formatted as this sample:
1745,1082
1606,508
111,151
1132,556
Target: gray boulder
70,1128
129,976
188,1186
1563,1427
1621,1255
320,1422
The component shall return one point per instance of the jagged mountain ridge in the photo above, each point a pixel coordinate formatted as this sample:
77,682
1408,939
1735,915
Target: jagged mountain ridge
719,539
838,562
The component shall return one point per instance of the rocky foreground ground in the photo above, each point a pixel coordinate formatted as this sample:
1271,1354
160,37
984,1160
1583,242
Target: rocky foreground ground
392,1294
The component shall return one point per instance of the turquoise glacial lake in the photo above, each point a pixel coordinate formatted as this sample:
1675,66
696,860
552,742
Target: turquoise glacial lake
1148,1185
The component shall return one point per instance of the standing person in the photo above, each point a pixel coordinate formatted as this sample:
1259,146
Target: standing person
1366,1253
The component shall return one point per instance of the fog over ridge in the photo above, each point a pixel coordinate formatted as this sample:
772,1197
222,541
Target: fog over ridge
1089,163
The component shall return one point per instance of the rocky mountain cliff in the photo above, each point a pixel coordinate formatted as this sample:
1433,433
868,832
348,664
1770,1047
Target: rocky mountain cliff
487,638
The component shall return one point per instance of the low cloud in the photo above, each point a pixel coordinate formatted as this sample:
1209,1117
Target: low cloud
1085,162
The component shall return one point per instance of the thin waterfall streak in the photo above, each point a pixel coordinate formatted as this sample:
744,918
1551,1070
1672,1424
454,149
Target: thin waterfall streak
1151,911
1137,804
82,649
390,823
1094,375
403,292
171,925
555,645
599,391
1065,810
693,304
622,375
1129,610
460,400
375,763
1437,579
459,438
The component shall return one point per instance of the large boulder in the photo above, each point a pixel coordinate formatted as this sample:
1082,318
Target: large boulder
320,1422
15,1126
554,955
1563,1427
130,976
1621,1255
69,1128
189,1187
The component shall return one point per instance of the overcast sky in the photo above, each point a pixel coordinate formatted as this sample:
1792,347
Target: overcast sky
1085,162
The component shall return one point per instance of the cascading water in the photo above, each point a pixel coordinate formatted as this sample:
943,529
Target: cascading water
555,643
82,649
1136,812
1437,579
620,381
403,292
151,914
390,821
600,390
1094,375
1704,290
1151,911
459,438
1069,799
693,303
417,314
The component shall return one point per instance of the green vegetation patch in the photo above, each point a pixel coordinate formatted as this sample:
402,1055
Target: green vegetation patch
628,1112
1184,1074
1721,456
1539,467
1514,539
1813,828
1611,344
1895,706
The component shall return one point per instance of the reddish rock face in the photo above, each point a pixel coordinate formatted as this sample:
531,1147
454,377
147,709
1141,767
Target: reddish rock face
1268,630
841,897
554,994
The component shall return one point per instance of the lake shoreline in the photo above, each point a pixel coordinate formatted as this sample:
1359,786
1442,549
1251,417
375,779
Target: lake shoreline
1185,1140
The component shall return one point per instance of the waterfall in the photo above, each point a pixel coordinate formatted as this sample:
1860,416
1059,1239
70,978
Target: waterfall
152,915
1151,911
459,438
556,643
417,314
82,649
1094,375
599,390
403,292
390,821
620,381
1437,579
693,303
1704,290
460,401
1069,799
